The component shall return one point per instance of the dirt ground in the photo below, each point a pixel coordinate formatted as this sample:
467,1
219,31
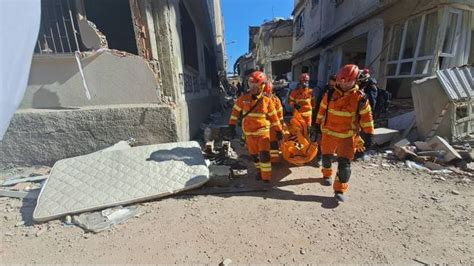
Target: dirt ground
394,215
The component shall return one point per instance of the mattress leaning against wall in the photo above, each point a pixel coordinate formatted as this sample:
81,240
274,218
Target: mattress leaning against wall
100,180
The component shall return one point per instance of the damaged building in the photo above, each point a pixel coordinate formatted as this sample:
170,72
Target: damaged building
109,70
270,50
273,49
398,40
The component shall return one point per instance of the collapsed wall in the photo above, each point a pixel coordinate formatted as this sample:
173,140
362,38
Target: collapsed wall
42,137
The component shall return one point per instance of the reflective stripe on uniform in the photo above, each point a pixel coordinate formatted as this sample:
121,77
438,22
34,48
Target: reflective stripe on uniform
319,116
308,113
272,113
262,131
237,108
367,124
256,115
341,113
365,111
232,117
349,133
303,100
266,167
323,105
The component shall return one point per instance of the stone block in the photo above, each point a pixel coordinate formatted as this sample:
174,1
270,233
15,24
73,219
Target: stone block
41,137
385,135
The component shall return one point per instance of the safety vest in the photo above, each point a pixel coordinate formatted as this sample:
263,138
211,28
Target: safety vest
258,121
303,97
345,113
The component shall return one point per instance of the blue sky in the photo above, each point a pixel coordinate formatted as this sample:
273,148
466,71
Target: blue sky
240,14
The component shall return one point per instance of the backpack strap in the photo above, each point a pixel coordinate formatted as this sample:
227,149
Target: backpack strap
329,93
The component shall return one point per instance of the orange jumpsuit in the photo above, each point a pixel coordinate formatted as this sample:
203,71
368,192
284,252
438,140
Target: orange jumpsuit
304,97
274,147
341,119
256,127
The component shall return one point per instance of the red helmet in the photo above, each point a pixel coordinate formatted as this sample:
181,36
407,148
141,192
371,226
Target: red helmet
257,77
347,77
348,73
268,87
304,77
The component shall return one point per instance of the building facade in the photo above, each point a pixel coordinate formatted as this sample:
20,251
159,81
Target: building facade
398,40
273,50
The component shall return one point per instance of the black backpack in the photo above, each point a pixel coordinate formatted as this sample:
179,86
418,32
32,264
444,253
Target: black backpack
383,101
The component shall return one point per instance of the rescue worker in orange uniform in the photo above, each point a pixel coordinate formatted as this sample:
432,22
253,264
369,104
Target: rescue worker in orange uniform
302,99
342,115
274,145
258,115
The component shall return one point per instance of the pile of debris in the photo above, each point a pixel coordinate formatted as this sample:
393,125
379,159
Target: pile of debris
436,156
223,162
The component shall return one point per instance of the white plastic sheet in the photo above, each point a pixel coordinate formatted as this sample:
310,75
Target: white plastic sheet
19,26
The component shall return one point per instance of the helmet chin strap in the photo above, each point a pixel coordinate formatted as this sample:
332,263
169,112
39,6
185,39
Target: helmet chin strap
258,94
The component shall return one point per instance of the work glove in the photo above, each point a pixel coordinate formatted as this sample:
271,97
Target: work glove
316,131
279,135
368,139
297,106
359,144
232,132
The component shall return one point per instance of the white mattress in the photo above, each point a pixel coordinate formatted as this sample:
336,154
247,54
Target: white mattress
117,177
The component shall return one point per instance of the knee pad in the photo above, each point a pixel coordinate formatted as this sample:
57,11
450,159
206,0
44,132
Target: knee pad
255,158
343,169
265,156
327,161
274,145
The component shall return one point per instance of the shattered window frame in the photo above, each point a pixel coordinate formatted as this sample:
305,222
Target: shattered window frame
456,32
401,62
299,24
59,30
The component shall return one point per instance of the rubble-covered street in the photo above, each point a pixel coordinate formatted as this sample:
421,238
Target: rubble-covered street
395,215
237,132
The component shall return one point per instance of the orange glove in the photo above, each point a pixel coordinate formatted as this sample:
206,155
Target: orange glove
359,144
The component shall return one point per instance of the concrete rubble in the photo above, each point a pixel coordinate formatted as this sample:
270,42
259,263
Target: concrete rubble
436,156
98,221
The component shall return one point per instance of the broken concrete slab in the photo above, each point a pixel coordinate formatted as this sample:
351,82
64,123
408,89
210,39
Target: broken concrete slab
20,194
438,143
434,166
384,135
98,221
107,179
73,132
422,146
10,182
401,122
219,176
468,156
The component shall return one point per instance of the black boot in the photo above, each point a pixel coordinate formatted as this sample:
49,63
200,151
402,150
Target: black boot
340,197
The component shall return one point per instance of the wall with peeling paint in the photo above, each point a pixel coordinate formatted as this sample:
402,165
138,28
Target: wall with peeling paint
55,81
